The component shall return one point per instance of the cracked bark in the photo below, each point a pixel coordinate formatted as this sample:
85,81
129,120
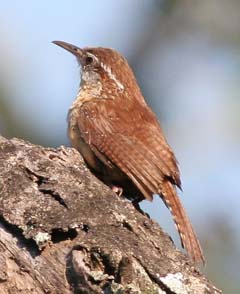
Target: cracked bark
63,231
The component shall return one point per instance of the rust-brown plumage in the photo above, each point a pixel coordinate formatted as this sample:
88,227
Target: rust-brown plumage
120,137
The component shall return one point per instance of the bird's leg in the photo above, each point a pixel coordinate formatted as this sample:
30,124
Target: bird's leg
118,190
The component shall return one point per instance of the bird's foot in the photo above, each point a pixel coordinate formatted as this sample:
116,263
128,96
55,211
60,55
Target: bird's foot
117,190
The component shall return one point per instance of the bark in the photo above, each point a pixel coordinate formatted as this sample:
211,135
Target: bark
63,231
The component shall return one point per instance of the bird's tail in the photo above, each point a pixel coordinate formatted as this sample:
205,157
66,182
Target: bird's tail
188,237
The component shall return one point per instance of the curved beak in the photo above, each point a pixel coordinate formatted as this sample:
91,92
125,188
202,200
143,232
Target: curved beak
78,52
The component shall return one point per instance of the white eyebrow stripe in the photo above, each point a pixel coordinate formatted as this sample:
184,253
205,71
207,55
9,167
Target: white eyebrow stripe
111,75
92,55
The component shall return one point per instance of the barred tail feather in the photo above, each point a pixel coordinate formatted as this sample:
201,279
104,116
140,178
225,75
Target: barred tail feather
187,235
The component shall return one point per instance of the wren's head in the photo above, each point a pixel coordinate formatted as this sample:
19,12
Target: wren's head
104,71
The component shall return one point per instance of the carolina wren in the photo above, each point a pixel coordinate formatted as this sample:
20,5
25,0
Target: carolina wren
120,138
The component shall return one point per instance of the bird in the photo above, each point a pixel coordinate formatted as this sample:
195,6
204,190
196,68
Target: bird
120,137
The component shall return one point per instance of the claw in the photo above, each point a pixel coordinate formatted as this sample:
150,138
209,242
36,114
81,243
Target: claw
117,190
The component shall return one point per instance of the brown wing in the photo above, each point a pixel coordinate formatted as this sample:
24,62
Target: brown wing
131,139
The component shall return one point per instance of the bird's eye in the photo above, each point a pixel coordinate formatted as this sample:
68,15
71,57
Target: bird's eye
88,60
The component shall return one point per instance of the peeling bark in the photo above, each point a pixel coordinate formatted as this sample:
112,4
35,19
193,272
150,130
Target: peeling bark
63,231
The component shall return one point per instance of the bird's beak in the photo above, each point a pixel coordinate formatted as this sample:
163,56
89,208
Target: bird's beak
78,52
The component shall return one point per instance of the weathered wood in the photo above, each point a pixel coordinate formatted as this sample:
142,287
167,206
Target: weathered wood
63,231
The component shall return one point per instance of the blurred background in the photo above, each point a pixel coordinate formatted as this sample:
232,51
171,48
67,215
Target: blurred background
186,56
